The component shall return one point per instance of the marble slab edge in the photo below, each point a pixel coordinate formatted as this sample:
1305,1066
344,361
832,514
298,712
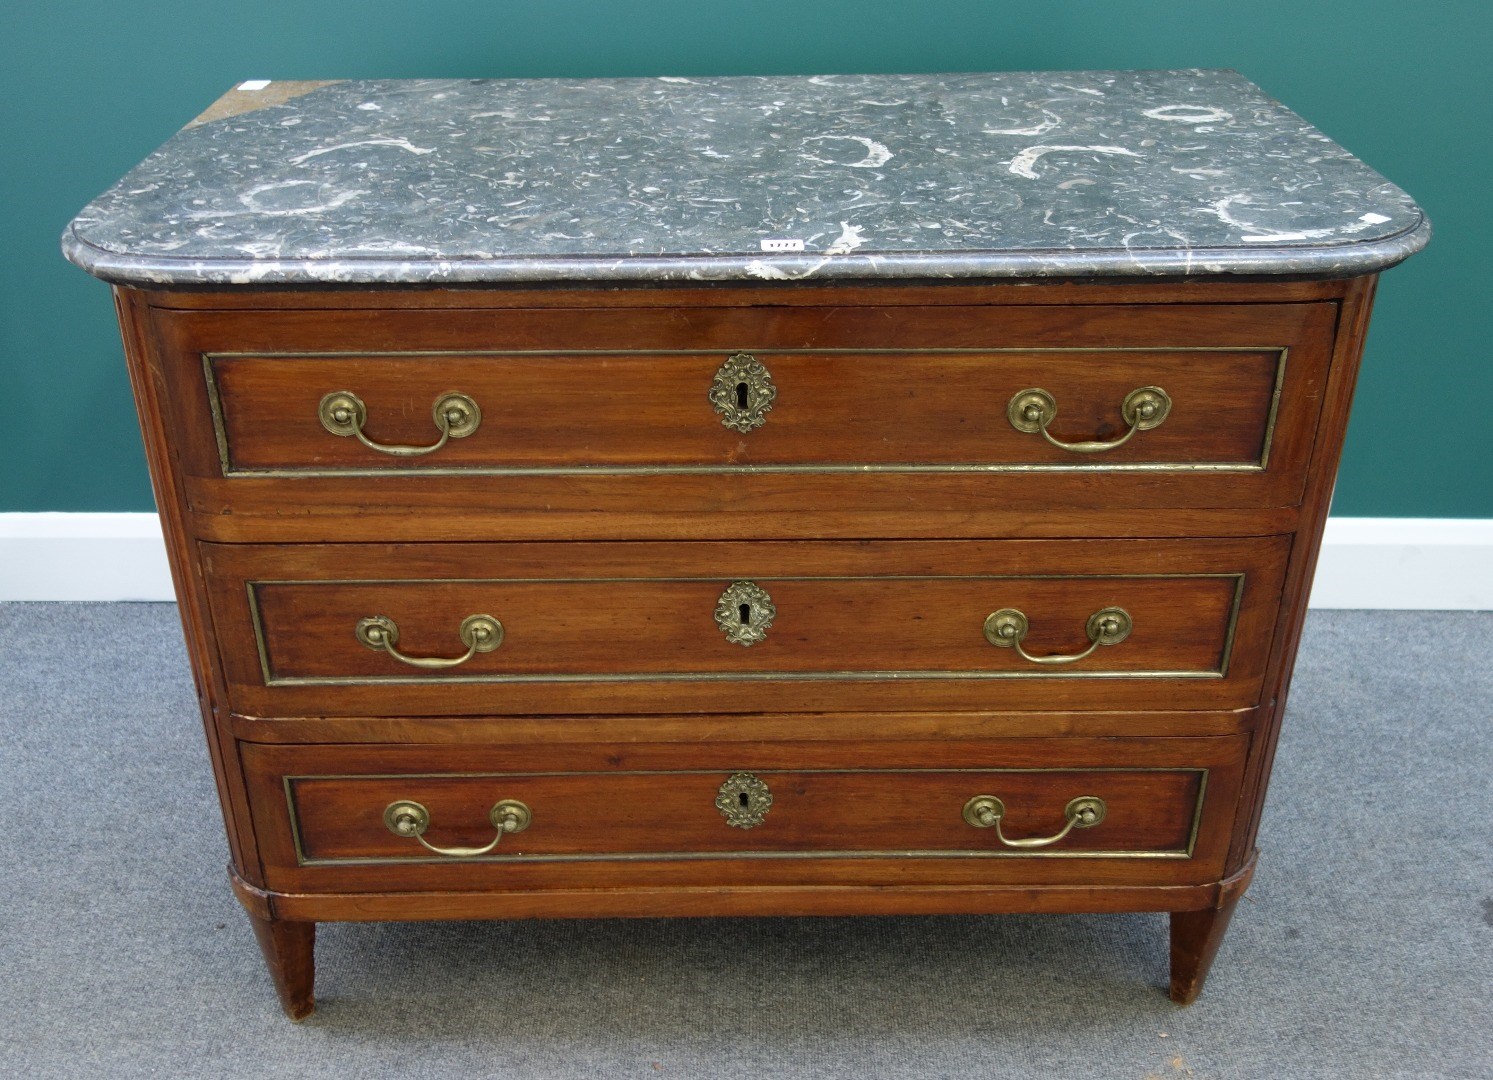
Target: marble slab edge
1336,260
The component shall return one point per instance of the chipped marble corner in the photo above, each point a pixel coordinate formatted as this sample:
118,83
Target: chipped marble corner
239,101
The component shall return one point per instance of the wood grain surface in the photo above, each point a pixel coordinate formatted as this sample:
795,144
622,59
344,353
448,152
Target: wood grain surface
642,410
608,627
573,516
648,813
582,409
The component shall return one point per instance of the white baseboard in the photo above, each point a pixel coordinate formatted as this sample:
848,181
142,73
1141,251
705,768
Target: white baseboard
1428,564
83,557
1438,564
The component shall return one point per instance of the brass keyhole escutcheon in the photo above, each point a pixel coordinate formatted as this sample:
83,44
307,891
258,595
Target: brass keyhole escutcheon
744,613
743,393
743,800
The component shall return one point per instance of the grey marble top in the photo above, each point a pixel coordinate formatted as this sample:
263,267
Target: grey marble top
1034,174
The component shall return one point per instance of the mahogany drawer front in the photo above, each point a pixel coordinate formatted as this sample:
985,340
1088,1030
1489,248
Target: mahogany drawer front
831,411
901,409
723,628
1144,804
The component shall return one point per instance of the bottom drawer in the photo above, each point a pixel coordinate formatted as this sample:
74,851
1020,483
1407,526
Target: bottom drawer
405,818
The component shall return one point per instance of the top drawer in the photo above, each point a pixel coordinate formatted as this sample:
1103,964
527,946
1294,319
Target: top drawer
772,409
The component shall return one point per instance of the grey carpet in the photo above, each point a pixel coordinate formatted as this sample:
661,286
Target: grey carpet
1364,948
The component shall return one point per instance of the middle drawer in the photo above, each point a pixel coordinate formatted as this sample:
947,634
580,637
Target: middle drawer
467,629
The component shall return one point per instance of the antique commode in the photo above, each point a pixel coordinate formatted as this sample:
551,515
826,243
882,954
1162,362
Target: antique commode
826,495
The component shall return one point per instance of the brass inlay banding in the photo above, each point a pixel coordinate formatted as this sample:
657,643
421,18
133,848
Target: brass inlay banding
229,470
271,679
1186,852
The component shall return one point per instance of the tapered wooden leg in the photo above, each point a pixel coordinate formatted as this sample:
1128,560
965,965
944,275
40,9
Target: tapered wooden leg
1196,936
289,952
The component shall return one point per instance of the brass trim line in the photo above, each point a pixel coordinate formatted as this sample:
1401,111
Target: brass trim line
877,675
270,679
1228,637
215,406
1280,382
1187,852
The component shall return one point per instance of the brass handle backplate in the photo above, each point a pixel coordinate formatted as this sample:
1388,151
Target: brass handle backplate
743,393
1007,628
456,416
744,613
743,800
986,812
1144,408
479,633
405,817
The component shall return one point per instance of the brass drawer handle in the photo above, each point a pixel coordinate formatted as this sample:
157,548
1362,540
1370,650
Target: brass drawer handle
406,817
479,633
1144,408
1007,628
986,812
743,393
456,416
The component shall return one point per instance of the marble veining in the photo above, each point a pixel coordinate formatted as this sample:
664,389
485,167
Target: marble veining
1030,174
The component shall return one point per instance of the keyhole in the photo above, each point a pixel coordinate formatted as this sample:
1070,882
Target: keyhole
745,802
744,612
742,393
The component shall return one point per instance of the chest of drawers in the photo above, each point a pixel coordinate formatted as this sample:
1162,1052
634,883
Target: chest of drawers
553,552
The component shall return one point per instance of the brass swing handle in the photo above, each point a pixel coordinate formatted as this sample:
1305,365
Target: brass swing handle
408,818
479,633
1007,628
1144,408
456,416
986,812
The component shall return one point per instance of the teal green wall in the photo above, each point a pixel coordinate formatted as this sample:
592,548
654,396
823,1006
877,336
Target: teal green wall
88,88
